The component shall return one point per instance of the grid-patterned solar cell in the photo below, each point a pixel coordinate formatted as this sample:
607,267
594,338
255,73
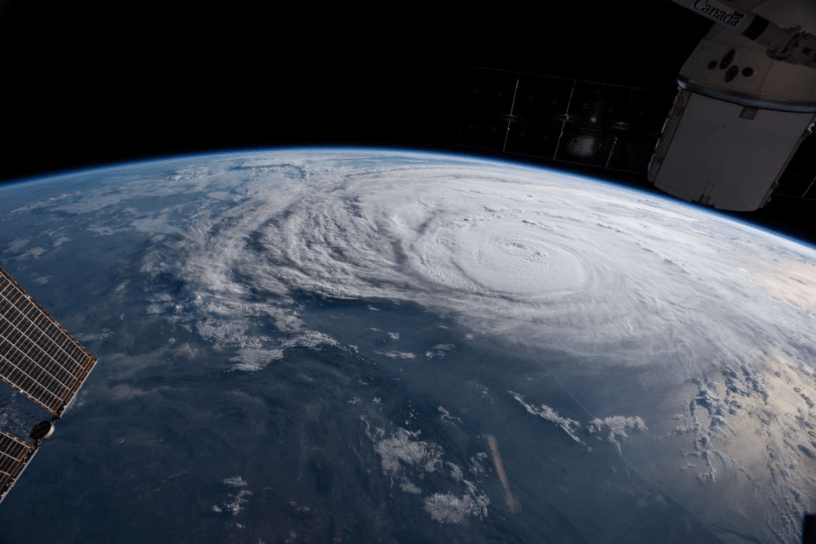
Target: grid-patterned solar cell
581,122
38,357
14,456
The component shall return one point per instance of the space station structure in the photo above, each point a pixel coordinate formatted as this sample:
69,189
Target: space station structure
40,360
746,102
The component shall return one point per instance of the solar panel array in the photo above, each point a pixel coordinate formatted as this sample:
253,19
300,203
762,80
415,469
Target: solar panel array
38,357
41,360
556,119
14,456
588,124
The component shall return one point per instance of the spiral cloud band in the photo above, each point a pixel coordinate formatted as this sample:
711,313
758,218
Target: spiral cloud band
676,338
545,258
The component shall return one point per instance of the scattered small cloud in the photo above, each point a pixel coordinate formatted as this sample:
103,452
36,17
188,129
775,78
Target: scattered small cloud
253,359
438,351
34,252
17,244
445,416
397,354
91,337
235,481
235,503
570,426
616,427
448,508
405,458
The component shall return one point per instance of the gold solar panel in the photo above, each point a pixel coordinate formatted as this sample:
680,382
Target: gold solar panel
38,357
41,360
14,456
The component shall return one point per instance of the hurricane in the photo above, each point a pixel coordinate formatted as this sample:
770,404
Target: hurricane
530,256
424,342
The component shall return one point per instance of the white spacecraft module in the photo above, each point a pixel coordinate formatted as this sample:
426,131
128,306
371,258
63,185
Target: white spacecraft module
746,102
41,360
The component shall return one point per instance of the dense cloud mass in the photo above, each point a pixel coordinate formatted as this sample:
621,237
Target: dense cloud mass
613,279
543,257
679,336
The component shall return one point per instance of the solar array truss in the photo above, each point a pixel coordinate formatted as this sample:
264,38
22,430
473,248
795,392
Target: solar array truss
568,120
41,360
799,178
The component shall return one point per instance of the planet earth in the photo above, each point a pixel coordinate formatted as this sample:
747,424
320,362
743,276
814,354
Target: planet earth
368,345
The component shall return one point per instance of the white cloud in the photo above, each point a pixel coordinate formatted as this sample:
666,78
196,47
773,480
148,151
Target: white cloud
403,449
235,481
405,459
252,360
617,427
17,244
397,354
448,508
569,426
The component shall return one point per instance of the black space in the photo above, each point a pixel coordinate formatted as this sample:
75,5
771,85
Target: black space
95,83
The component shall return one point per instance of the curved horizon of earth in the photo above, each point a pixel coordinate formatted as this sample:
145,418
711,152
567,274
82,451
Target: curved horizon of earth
333,345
